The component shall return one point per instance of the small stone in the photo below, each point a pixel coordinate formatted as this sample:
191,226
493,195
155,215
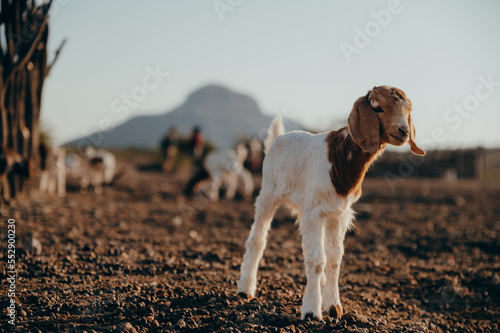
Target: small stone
150,319
177,221
127,327
349,317
181,323
194,234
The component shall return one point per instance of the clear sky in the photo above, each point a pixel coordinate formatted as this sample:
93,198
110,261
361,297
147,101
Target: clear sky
310,58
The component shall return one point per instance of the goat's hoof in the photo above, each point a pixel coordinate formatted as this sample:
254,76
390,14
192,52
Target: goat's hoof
244,295
335,311
310,316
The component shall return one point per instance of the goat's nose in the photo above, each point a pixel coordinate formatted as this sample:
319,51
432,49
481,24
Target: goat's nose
404,131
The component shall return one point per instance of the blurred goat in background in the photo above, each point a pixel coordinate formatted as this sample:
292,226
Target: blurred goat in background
52,164
98,169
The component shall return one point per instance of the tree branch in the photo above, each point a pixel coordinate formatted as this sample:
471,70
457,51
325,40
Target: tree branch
23,62
49,67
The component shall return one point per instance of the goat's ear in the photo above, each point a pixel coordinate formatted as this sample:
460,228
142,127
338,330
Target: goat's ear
242,151
364,126
414,148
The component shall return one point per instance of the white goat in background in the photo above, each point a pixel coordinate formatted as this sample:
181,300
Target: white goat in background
53,170
99,168
226,167
74,165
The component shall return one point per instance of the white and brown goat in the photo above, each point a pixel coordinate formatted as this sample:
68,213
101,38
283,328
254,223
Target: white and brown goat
99,168
320,176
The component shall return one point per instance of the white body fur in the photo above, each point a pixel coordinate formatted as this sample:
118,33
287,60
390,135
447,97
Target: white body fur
226,167
75,165
296,172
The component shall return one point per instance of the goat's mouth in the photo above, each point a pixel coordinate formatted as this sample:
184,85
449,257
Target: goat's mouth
398,138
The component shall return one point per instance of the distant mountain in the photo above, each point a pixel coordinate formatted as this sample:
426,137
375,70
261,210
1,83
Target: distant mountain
223,115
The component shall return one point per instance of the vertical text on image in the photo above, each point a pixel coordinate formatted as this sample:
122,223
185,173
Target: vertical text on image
11,271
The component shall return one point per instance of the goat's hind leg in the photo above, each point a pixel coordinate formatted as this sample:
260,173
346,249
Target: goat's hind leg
256,243
215,187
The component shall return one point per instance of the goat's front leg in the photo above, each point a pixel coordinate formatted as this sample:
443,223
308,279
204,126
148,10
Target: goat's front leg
312,230
98,180
215,186
61,182
85,180
44,181
245,178
335,229
232,185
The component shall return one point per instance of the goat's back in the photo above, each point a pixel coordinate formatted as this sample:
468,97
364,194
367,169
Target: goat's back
296,167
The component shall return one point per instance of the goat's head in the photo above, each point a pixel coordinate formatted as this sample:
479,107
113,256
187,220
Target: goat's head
242,152
383,116
90,151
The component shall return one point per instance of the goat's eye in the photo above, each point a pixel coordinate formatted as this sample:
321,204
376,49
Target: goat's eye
379,109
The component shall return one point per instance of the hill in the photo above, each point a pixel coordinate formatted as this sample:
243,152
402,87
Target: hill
224,116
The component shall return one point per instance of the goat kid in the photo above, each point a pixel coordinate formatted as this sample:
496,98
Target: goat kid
320,176
226,167
99,169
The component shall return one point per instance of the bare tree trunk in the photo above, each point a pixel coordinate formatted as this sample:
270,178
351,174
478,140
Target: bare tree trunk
23,68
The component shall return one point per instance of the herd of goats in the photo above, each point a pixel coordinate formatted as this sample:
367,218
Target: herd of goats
227,169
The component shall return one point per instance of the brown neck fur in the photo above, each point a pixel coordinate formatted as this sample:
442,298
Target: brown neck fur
349,162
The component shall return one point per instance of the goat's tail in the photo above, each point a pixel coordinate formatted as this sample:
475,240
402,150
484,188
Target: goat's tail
276,129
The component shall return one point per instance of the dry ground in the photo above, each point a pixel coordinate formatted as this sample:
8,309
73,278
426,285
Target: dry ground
142,258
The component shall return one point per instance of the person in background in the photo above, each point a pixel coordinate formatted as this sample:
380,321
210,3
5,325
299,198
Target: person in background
196,144
196,147
169,148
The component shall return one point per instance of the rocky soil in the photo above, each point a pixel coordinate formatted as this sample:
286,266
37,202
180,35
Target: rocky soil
143,258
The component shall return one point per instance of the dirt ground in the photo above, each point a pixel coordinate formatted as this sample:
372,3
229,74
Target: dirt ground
142,258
